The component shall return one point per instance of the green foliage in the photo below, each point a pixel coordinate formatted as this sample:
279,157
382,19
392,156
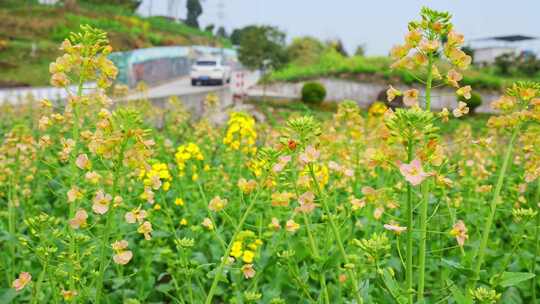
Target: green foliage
509,64
235,36
131,5
260,44
514,278
331,63
222,32
503,63
305,50
313,93
210,28
360,50
338,46
36,31
194,10
474,102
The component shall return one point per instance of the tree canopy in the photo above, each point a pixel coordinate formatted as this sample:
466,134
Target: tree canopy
194,10
260,45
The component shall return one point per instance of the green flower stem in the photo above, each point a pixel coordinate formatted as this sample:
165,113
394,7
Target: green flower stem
312,244
316,256
103,261
492,209
536,243
228,250
37,286
294,272
307,223
410,207
11,229
425,200
429,82
172,227
73,180
211,217
337,236
423,238
324,288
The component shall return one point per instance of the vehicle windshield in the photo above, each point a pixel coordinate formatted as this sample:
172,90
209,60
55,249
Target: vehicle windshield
206,63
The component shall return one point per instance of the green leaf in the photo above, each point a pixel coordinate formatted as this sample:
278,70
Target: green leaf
513,278
452,264
512,296
7,295
458,296
393,286
165,288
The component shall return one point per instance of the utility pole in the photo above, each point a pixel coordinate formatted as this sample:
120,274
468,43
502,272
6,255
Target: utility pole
170,8
221,20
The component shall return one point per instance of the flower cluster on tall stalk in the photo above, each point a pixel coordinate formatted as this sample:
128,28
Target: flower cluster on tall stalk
90,151
431,45
520,106
142,202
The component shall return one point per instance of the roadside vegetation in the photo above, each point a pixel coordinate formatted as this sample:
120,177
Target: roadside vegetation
330,63
307,58
30,34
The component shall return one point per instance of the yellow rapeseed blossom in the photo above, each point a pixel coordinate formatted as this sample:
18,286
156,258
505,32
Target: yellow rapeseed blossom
248,256
185,154
156,177
236,250
241,134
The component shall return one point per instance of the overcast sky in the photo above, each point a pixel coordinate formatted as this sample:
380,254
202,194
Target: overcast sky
378,24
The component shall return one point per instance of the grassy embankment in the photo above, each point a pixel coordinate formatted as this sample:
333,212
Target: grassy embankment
30,34
377,69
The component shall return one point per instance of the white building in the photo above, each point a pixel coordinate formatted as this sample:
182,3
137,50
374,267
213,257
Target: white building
487,49
174,9
487,55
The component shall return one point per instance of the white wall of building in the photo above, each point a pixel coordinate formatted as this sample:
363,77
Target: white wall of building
48,1
487,55
171,8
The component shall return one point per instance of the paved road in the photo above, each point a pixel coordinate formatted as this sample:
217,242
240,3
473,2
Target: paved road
241,80
178,87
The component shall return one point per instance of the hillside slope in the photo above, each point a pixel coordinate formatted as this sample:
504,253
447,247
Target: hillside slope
30,35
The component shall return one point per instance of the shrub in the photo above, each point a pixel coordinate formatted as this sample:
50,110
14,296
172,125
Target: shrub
474,102
305,50
313,92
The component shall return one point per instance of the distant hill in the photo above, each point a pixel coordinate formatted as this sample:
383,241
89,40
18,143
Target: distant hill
30,34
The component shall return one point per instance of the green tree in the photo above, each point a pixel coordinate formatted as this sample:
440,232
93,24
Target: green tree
194,10
221,32
235,36
360,50
262,46
210,28
505,64
337,45
305,50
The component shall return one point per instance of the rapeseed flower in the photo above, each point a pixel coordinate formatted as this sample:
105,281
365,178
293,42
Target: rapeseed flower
24,279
